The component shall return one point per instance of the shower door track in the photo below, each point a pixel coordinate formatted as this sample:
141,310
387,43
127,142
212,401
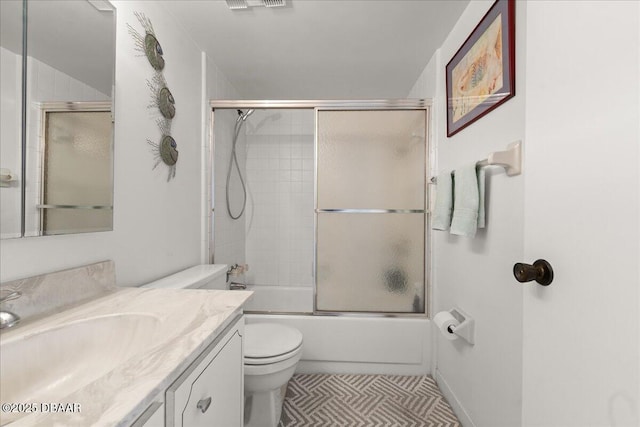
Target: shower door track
402,211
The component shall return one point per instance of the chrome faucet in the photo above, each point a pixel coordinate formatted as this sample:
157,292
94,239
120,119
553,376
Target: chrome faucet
7,318
236,271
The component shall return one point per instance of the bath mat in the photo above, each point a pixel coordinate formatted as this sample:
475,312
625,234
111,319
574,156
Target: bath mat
315,400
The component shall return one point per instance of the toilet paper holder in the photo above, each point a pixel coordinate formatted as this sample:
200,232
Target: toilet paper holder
466,327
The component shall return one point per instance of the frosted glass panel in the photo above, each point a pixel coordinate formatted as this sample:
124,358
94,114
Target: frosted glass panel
371,159
78,172
66,221
370,262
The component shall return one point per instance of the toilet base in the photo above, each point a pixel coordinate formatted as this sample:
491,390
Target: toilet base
264,409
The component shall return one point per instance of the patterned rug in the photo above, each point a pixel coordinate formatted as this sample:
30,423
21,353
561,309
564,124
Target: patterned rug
315,400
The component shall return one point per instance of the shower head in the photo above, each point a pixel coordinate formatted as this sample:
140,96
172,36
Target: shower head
243,116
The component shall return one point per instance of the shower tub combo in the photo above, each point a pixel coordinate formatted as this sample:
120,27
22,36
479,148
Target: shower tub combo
326,200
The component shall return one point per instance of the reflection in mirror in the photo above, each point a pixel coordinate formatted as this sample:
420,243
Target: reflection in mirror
10,118
70,60
73,67
77,166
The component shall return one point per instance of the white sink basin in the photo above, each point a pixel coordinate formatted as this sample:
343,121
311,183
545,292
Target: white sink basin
48,364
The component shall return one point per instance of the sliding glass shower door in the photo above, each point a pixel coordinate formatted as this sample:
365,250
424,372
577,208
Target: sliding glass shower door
370,211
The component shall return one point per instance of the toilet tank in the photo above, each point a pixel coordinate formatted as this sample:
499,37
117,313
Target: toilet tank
204,276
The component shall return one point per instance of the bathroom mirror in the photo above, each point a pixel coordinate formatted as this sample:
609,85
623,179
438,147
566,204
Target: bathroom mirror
65,131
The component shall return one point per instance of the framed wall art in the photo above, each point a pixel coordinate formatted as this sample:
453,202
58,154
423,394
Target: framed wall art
481,75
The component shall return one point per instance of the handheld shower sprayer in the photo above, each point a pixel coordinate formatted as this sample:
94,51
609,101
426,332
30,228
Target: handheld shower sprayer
242,116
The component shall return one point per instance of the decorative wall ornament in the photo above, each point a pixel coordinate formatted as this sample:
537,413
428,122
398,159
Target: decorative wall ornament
161,97
162,101
148,44
165,151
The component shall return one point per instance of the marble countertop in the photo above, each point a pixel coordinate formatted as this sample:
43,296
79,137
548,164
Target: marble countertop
186,321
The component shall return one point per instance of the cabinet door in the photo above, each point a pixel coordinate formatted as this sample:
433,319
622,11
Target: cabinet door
216,395
210,393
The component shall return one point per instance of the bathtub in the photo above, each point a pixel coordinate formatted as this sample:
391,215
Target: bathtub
345,344
280,299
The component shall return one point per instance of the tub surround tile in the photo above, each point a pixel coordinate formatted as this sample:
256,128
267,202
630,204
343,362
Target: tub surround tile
52,292
190,319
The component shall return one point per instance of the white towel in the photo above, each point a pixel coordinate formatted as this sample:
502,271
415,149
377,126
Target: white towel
444,203
466,203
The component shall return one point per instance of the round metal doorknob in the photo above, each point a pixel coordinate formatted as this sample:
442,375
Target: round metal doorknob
540,271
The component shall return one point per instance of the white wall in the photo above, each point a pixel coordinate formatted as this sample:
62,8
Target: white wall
566,355
582,210
157,224
482,382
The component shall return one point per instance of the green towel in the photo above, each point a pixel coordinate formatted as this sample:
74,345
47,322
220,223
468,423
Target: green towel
444,203
466,203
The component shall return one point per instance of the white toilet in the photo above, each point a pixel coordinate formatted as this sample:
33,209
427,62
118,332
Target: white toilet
271,351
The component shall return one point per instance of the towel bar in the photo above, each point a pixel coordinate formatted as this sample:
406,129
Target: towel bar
510,159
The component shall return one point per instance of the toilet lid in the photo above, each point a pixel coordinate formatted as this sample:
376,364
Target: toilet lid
269,340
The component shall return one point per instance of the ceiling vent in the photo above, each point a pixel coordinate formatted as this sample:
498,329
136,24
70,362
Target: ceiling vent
244,4
274,3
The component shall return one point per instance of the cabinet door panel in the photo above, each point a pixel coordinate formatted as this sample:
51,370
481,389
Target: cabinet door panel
213,399
210,392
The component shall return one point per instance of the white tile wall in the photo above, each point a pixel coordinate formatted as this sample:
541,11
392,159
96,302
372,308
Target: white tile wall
279,220
275,236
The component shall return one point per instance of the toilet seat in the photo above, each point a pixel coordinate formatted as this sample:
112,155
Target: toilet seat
274,359
267,343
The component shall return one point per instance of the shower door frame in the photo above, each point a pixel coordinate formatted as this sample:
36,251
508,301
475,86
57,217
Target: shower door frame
337,105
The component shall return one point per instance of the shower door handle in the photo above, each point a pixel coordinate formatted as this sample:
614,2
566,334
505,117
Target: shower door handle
540,271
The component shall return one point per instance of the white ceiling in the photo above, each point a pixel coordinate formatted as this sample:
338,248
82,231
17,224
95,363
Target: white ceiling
320,49
310,49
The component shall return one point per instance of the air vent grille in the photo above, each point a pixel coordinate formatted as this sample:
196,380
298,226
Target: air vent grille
237,4
244,4
274,3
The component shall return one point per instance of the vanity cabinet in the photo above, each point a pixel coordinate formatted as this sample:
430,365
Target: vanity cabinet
210,392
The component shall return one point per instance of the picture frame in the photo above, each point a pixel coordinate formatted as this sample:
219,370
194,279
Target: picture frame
481,75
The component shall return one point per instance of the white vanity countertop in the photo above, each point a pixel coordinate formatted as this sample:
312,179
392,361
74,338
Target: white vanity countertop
185,322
